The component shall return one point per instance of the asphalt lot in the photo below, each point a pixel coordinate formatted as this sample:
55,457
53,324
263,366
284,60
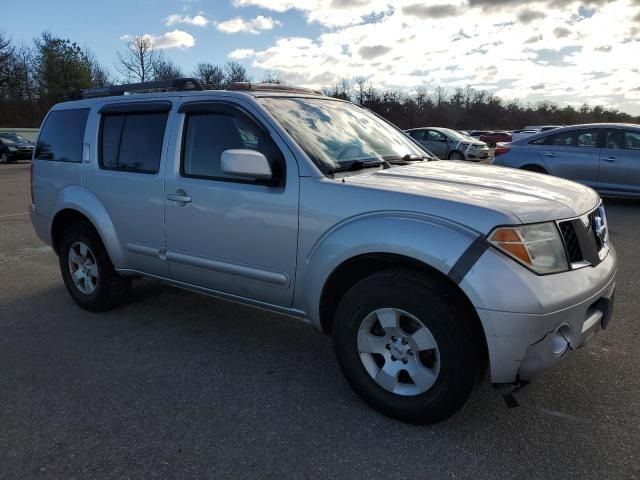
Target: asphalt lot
177,385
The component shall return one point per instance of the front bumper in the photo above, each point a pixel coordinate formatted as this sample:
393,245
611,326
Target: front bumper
20,155
522,344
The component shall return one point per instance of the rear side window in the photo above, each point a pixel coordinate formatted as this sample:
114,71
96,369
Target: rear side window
132,142
61,137
623,139
418,134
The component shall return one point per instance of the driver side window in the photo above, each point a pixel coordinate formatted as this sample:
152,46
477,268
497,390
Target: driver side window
208,134
436,136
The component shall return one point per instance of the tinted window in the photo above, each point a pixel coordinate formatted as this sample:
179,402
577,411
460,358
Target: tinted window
207,135
573,138
418,134
61,136
623,139
132,142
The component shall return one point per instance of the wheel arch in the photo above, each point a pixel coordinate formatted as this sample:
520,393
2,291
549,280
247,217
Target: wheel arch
349,272
534,167
78,204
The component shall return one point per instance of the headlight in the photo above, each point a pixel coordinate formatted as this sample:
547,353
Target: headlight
538,247
13,149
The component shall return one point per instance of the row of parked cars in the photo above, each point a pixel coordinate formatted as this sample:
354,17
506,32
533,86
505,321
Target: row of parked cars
603,156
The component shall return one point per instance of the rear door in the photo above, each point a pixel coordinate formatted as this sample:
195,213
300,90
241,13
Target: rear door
620,162
124,174
571,154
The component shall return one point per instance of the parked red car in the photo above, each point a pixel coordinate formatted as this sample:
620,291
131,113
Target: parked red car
492,138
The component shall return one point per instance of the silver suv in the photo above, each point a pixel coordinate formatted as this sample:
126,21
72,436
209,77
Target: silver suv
424,272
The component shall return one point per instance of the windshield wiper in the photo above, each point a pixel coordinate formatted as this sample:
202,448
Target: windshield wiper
407,158
359,165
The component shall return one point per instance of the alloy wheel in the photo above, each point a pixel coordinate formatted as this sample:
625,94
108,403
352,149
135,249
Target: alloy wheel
83,268
398,351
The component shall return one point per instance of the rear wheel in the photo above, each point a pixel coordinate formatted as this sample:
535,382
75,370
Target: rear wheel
456,155
404,347
4,158
88,272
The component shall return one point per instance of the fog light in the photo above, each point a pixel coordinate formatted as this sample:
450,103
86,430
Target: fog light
561,339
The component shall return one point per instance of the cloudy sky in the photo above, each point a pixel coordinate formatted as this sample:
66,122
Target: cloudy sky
560,50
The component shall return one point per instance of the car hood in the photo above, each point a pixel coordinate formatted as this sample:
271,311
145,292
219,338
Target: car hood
527,196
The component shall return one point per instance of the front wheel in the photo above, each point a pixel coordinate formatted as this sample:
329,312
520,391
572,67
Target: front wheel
87,270
456,155
4,158
405,347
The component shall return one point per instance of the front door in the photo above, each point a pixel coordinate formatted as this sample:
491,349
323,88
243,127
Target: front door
572,154
620,162
227,234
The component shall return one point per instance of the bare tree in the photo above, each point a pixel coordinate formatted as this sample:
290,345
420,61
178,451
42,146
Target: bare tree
210,75
360,88
139,61
271,77
234,72
166,69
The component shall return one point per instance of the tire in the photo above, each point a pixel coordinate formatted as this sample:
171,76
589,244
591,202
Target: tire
534,168
456,155
453,364
4,158
96,287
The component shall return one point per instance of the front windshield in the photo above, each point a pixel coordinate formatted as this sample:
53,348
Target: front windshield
334,134
10,138
454,135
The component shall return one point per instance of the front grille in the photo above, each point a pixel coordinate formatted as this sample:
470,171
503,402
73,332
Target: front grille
585,238
574,252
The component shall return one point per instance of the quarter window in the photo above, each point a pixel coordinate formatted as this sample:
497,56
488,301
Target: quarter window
209,134
62,135
132,142
623,139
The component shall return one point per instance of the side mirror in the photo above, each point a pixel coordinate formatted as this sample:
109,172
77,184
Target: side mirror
246,163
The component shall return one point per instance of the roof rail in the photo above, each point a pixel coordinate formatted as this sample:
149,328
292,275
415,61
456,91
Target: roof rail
178,84
271,87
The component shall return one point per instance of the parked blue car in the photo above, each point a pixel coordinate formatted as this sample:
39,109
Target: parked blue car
604,156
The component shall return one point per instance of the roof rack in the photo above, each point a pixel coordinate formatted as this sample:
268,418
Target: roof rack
271,87
179,85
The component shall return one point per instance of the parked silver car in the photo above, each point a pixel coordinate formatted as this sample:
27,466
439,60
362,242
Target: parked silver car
604,156
424,273
450,144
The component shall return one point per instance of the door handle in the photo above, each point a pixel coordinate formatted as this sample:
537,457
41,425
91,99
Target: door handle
609,159
179,196
551,154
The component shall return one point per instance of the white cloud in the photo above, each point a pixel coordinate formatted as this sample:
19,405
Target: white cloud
477,46
334,13
173,39
196,20
253,26
241,53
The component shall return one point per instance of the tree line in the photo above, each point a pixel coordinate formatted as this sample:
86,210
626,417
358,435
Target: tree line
51,69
